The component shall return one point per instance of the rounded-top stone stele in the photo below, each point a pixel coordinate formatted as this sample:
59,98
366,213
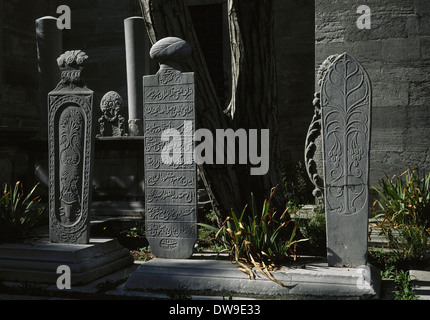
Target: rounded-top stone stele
170,49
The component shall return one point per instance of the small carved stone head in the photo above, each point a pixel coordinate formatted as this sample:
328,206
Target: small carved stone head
111,104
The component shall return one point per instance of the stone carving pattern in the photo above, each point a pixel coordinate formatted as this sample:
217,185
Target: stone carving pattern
171,198
70,152
313,142
69,232
71,64
345,109
112,123
71,133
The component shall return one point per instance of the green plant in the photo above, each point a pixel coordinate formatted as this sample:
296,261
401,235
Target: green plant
18,213
313,227
403,213
404,288
261,239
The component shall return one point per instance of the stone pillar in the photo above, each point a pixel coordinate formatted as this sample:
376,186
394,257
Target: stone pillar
49,48
346,99
135,33
170,170
71,144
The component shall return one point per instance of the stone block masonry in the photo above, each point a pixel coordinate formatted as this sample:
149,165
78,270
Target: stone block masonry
395,53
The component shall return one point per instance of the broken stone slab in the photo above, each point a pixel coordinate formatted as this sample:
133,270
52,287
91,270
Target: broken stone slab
202,276
37,262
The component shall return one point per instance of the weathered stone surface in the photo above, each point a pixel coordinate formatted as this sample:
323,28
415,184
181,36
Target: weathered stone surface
313,142
38,262
395,53
112,123
134,31
205,276
170,187
71,142
346,98
170,49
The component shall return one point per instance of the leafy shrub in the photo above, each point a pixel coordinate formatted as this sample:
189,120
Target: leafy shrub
403,213
18,213
263,240
314,229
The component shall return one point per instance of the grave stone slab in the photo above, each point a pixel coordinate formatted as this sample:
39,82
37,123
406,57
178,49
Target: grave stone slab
206,276
37,262
170,187
346,98
71,142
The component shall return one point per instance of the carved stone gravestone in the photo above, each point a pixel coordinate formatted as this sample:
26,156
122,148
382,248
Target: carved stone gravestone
170,170
71,143
112,123
313,142
346,98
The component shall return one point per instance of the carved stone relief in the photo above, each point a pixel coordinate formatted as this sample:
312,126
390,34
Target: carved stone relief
313,143
170,189
70,141
346,98
112,123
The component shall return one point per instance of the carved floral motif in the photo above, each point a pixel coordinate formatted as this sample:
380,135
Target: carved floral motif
112,123
71,131
70,140
345,111
313,143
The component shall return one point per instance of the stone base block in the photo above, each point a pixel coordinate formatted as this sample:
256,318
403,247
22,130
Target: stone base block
37,262
200,276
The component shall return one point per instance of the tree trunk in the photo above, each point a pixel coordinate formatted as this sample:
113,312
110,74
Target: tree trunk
253,104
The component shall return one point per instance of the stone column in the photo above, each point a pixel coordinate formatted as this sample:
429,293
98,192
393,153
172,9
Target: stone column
346,100
135,33
170,170
71,145
49,48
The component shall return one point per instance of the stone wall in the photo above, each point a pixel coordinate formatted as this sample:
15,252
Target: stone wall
396,54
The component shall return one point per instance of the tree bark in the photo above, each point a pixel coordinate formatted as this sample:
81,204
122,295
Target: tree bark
253,104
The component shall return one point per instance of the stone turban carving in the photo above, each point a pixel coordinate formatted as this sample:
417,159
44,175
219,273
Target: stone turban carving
170,49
